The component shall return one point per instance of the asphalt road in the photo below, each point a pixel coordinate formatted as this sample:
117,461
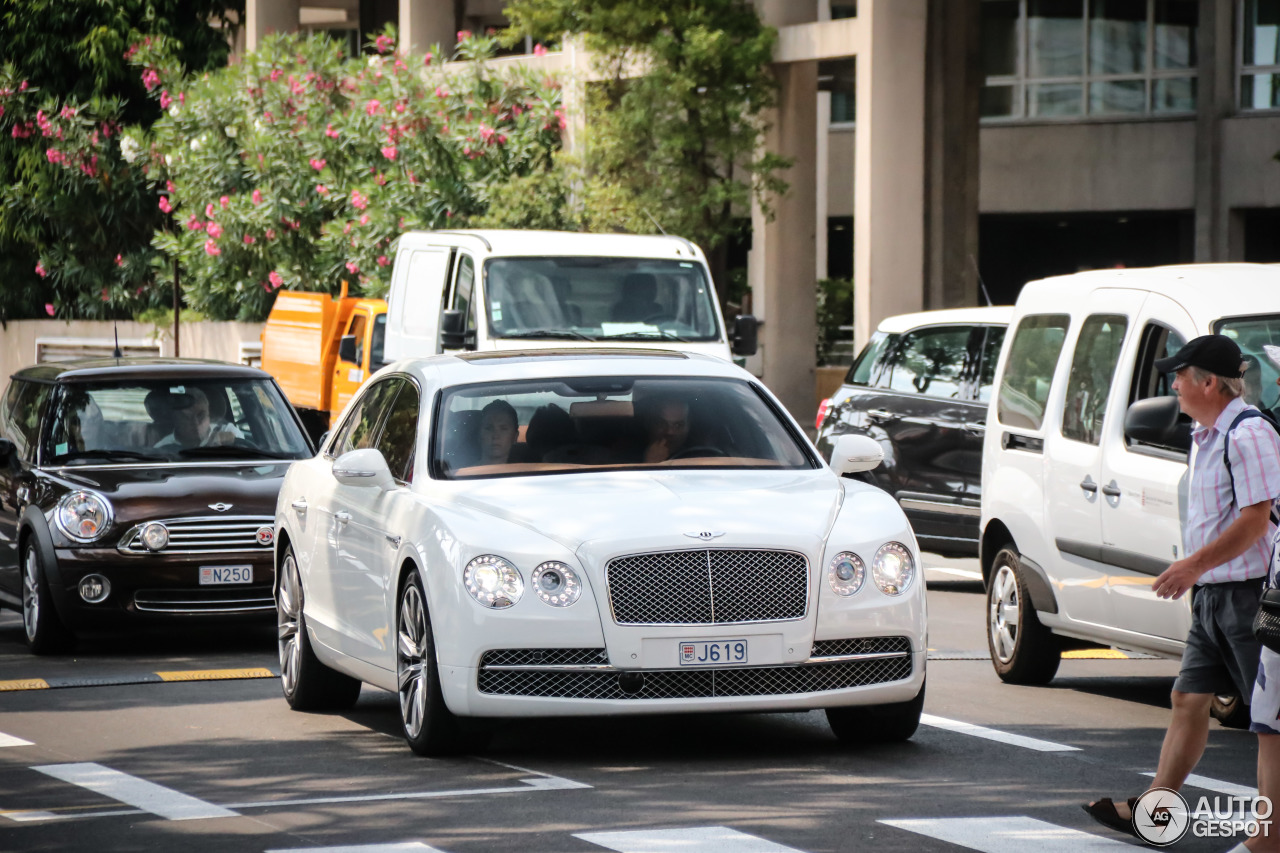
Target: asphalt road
148,760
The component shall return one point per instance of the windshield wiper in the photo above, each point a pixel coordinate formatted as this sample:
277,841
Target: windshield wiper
550,333
234,450
664,334
131,455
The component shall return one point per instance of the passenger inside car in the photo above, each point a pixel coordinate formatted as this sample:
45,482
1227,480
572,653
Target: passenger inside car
499,428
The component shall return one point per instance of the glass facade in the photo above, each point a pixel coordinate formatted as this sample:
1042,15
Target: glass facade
1062,59
1260,55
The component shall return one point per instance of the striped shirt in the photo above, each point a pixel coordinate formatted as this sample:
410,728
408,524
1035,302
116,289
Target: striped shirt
1255,462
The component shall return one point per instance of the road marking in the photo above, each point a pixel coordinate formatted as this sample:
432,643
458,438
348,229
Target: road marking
544,783
993,734
1094,654
10,740
704,839
1010,835
402,847
968,574
215,674
1230,788
148,796
24,684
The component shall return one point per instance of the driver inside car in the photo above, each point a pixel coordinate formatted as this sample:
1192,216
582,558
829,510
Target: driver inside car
192,425
666,427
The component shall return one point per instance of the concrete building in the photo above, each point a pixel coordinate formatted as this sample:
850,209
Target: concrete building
943,143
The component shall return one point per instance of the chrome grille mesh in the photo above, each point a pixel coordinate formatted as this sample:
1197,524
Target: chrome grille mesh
862,645
204,535
699,683
544,657
237,599
708,587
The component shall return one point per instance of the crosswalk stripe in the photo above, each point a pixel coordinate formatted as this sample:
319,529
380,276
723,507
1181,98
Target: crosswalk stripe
10,740
1010,835
704,839
1230,788
148,796
996,735
402,847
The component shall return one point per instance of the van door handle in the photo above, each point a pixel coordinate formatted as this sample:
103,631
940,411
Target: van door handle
342,516
1089,485
1112,489
879,414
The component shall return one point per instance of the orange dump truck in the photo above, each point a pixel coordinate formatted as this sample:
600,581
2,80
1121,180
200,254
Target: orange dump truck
321,349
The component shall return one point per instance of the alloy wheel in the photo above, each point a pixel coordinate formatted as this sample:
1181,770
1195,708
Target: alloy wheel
31,594
288,620
1004,613
411,663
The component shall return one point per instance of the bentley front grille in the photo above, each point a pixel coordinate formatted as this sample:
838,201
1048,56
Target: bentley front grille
708,587
205,535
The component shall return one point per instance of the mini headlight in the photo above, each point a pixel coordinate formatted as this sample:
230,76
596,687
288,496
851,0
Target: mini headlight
556,584
893,568
83,516
493,581
846,573
155,536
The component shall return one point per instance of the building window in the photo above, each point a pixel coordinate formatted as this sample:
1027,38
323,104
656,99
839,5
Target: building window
1061,59
1260,55
840,78
843,9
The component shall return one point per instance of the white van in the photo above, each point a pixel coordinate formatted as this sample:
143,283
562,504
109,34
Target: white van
1080,511
494,290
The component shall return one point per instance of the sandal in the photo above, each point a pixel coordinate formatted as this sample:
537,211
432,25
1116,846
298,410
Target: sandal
1104,812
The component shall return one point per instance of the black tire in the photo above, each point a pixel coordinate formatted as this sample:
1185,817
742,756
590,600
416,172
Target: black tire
866,725
1231,712
428,726
1023,651
42,627
308,684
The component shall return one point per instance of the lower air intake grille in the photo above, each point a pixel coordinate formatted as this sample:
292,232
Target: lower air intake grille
544,657
246,599
861,646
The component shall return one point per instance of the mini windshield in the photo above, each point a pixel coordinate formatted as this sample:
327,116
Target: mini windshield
562,425
1254,335
576,298
171,420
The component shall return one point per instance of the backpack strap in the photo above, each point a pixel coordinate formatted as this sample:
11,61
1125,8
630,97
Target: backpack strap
1226,455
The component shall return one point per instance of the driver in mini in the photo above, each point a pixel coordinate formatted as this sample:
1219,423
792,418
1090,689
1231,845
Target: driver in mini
192,426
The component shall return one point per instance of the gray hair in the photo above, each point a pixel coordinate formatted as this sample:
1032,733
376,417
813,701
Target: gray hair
1229,386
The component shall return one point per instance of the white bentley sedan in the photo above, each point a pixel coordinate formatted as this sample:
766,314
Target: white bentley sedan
593,532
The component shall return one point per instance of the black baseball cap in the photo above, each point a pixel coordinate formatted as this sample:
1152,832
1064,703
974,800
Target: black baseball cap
1217,354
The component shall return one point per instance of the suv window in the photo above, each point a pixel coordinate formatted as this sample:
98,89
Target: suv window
361,426
930,361
1028,374
1093,367
990,355
399,435
867,366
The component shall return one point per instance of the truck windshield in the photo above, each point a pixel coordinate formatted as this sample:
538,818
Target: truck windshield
577,298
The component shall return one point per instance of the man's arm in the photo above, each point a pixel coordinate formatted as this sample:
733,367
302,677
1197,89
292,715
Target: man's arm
1234,541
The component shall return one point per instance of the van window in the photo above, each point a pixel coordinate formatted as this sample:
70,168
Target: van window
1253,334
867,366
930,361
422,291
1093,367
990,355
1158,341
463,285
1028,373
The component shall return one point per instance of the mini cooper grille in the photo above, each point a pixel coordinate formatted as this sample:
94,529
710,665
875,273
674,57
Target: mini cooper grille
207,535
544,657
254,599
704,587
699,683
862,645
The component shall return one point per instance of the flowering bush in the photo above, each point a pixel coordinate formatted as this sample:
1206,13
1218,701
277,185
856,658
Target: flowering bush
297,168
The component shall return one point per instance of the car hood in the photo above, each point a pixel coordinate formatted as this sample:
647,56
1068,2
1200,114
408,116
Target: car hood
615,511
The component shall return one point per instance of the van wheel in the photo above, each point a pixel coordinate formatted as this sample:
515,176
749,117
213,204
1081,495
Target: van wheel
1023,651
865,725
45,633
308,684
1231,712
429,727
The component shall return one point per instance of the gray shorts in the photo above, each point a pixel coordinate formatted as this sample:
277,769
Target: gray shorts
1264,710
1221,654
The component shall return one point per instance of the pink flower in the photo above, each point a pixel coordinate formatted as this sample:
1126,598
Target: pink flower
271,233
211,248
463,35
224,201
563,122
359,201
249,241
364,220
170,188
150,79
48,308
400,106
486,132
500,139
442,92
352,267
382,44
275,74
164,204
539,50
208,210
322,189
330,132
276,279
382,261
257,196
317,163
426,60
389,152
56,156
214,230
165,100
105,296
372,108
41,271
193,223
119,260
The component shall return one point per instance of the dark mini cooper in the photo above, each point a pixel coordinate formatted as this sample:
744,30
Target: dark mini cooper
135,489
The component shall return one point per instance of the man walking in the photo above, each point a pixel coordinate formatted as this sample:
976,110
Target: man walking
1235,477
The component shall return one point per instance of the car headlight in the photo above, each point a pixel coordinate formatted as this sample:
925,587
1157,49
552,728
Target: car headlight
893,568
83,516
493,581
846,573
556,584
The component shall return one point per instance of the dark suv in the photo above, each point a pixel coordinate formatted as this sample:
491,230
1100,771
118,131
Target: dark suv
139,489
920,387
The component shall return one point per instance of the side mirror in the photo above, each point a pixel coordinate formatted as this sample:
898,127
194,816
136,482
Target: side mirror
746,335
347,349
363,468
453,334
1158,420
853,454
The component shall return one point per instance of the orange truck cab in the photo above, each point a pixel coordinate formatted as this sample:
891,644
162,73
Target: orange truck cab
321,349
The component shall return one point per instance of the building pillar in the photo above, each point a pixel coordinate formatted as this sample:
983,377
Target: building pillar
783,268
264,17
951,167
888,191
427,22
784,13
1215,101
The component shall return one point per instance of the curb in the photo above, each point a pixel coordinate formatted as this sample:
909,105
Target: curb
20,684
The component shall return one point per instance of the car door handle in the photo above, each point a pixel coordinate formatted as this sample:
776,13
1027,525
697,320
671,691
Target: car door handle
1089,485
976,426
1112,489
342,516
879,414
394,540
300,506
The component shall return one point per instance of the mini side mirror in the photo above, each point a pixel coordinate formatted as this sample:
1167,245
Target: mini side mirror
1158,420
347,349
363,468
746,335
853,454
